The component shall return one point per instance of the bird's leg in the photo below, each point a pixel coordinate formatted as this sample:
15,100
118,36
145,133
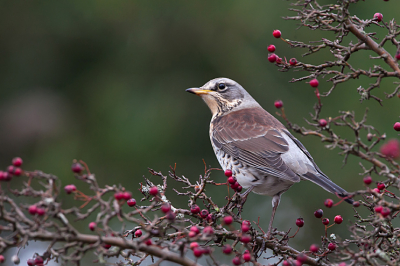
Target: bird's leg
275,202
243,198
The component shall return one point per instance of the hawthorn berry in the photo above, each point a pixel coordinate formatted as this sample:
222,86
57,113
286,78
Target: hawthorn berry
278,104
396,126
194,245
17,171
302,258
331,246
5,176
398,58
166,207
38,260
17,161
227,249
367,180
279,60
378,209
92,226
338,219
314,248
2,259
15,259
118,195
77,168
239,188
369,136
228,172
32,209
319,213
322,123
228,220
391,149
272,58
31,262
236,260
204,214
208,230
195,209
381,186
10,169
171,216
385,211
377,190
300,222
148,242
378,17
107,246
40,211
286,263
197,252
235,185
126,195
245,239
325,221
246,257
138,233
356,204
271,48
210,218
70,188
328,203
191,234
277,33
153,191
314,83
292,61
231,180
131,202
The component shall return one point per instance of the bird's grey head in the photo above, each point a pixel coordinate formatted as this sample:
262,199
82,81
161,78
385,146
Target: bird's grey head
223,95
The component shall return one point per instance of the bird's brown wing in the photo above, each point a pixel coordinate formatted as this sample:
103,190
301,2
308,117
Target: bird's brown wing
253,137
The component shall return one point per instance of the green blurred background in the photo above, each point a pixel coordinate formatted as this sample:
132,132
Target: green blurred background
104,81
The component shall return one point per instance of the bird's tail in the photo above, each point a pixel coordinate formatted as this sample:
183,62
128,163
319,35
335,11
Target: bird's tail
327,184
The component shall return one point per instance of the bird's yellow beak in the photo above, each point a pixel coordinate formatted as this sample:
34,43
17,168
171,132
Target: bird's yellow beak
198,91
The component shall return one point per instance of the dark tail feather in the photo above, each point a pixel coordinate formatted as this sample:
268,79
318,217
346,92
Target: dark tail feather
324,182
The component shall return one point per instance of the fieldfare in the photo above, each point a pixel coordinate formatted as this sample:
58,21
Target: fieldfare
262,154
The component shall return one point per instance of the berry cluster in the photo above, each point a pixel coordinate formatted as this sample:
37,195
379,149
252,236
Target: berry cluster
232,181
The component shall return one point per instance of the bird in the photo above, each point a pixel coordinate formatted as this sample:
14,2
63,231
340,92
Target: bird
260,151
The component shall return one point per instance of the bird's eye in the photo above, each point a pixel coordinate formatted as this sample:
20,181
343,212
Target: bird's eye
221,86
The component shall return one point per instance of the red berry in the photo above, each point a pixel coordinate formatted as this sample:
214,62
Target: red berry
138,233
76,168
194,245
236,260
32,209
385,211
378,17
194,209
148,242
228,173
369,136
271,48
378,209
356,204
300,222
367,180
227,249
398,58
245,239
322,123
191,234
5,176
40,211
31,262
377,190
396,126
131,202
228,220
325,221
246,257
204,214
10,169
231,180
314,83
118,195
302,258
239,188
278,104
126,195
277,33
381,186
235,185
292,61
166,207
106,246
38,260
17,161
286,263
171,216
314,248
195,229
153,191
197,252
319,213
92,226
2,259
246,226
279,60
328,203
338,219
391,149
272,58
17,171
70,188
208,230
332,246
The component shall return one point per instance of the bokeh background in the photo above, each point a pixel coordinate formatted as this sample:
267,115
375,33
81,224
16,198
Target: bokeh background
104,81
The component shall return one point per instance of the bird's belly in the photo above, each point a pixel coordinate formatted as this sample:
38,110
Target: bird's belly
246,177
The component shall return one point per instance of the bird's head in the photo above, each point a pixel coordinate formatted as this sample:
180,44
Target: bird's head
223,95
